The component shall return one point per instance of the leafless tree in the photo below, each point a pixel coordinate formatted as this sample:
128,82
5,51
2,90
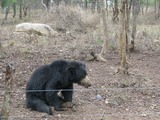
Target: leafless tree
122,38
14,9
147,5
115,11
20,9
103,52
93,5
105,31
128,33
158,8
135,11
86,4
8,88
6,15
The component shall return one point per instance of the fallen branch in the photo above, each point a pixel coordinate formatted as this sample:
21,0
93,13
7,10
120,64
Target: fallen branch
97,57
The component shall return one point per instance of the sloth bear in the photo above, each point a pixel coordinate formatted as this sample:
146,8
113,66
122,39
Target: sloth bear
48,80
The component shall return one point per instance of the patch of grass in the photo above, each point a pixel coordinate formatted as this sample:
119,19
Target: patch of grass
99,41
148,37
6,44
150,2
25,51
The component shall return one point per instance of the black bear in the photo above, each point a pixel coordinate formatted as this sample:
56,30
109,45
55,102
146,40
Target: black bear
48,80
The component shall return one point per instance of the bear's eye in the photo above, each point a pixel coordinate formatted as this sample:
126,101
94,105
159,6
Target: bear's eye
85,73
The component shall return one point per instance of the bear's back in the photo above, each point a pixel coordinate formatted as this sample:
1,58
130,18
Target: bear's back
40,74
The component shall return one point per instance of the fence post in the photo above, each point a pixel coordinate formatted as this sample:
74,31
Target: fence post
7,95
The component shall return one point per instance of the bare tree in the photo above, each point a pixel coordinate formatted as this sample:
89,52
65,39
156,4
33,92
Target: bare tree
128,11
25,9
147,5
8,88
105,42
47,2
96,5
6,15
99,6
115,11
142,6
14,9
158,8
135,11
122,38
155,7
20,9
57,2
99,56
93,5
86,4
44,5
0,48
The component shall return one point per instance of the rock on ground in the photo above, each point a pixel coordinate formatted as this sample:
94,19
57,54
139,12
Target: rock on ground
35,28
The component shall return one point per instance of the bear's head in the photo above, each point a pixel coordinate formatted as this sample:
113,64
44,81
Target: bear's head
78,74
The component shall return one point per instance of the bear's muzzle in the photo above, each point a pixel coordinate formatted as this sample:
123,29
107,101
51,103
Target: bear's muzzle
85,82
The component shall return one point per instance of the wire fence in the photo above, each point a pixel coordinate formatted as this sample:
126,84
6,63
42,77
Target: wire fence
88,89
104,114
144,114
85,114
97,89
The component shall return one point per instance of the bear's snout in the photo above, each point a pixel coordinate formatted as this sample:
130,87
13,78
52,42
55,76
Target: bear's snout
85,82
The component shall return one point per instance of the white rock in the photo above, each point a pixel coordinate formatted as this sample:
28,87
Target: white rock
35,28
106,101
98,97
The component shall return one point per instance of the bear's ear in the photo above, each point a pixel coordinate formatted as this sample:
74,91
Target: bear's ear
71,69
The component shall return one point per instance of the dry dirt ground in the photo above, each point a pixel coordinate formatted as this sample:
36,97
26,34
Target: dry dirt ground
112,96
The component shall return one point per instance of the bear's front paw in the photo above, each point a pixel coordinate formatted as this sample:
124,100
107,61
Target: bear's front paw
60,108
67,104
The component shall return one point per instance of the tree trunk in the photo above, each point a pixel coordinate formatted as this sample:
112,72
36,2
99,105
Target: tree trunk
81,3
127,22
158,8
141,5
25,10
14,9
6,15
130,4
57,2
67,2
155,8
122,38
7,96
93,5
0,49
0,45
99,56
47,2
86,4
115,11
105,32
147,5
99,6
20,10
135,12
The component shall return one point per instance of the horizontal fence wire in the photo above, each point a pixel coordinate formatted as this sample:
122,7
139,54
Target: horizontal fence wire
89,89
143,114
94,115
